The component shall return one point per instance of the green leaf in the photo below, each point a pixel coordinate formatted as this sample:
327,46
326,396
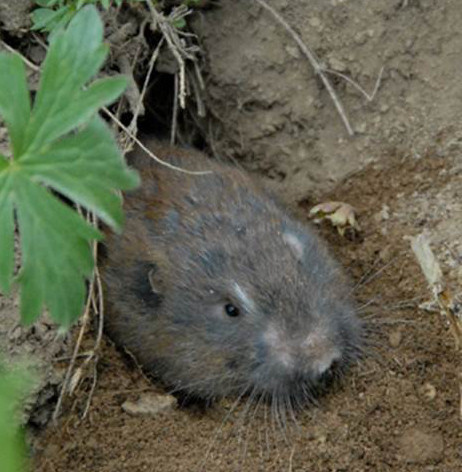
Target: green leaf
61,23
180,23
46,19
73,58
46,3
6,237
14,98
41,17
106,4
61,146
85,167
15,385
56,254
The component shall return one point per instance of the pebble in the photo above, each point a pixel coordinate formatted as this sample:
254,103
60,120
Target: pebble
337,64
383,214
293,51
315,22
420,447
150,404
428,391
395,338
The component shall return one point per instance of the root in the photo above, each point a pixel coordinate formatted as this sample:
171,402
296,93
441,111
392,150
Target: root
72,378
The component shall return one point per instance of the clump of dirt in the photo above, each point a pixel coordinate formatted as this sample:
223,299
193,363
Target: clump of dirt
14,16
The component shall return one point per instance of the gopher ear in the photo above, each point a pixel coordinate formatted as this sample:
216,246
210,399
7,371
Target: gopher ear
155,281
295,243
146,283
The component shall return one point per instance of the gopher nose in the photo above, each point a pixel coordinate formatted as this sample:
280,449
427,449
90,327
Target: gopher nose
324,363
321,351
313,355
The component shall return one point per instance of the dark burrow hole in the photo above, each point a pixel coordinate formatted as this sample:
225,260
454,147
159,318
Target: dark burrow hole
157,120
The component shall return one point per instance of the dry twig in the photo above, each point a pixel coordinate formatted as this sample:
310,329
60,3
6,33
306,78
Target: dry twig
441,293
72,378
444,300
175,110
291,458
314,61
132,92
370,97
147,151
460,392
139,109
26,61
69,377
178,47
197,83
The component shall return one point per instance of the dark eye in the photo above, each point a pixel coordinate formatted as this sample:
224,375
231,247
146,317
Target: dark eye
231,310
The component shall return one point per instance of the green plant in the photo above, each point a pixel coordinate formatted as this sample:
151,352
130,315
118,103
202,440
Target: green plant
15,384
61,144
56,14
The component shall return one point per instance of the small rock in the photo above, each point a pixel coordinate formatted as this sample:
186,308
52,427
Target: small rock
383,214
427,391
361,127
16,333
314,21
395,338
337,64
429,306
150,404
421,447
293,51
459,274
360,37
384,108
283,4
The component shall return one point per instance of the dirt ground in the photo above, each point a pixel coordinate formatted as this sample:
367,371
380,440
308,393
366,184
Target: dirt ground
400,409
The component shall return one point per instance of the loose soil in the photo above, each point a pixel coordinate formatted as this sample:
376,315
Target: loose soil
399,409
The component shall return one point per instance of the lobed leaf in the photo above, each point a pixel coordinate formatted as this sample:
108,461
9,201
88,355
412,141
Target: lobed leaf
75,55
15,385
14,98
6,234
46,19
85,167
46,3
59,145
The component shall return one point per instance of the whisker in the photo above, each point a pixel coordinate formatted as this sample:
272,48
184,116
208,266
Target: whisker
243,414
366,279
364,276
279,421
220,428
292,412
362,307
246,430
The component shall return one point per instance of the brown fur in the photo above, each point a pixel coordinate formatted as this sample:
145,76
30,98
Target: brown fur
192,245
